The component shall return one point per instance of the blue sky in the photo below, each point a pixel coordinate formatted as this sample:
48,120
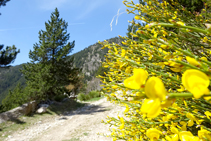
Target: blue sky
88,22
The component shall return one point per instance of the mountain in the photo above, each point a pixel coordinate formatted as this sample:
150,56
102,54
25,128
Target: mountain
88,59
9,78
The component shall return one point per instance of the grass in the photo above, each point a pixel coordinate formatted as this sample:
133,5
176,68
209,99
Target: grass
94,99
23,122
85,134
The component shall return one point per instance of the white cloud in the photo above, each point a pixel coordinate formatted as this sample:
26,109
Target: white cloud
116,16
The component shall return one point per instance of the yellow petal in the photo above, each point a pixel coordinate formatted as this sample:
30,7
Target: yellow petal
178,69
137,17
175,137
184,135
174,130
151,107
192,61
153,133
190,123
137,80
123,53
195,82
203,58
155,88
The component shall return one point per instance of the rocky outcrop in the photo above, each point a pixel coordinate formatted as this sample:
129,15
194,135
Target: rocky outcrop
13,114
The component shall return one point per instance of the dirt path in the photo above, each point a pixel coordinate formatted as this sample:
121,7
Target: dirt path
80,125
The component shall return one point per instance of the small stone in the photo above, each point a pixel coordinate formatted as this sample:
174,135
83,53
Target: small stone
41,110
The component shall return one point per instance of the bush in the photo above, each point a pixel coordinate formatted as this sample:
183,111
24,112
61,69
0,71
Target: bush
165,75
94,94
85,97
81,97
15,98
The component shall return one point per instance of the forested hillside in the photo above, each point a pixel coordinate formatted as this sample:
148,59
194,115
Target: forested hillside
88,59
9,78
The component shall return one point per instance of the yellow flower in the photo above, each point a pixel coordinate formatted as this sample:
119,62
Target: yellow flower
183,128
203,58
192,61
180,23
122,126
126,109
153,134
167,103
174,130
181,89
137,17
208,114
178,69
195,82
187,136
151,107
163,46
204,134
192,119
137,80
155,88
122,120
174,137
123,53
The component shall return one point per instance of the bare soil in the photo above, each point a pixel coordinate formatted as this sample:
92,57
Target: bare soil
80,125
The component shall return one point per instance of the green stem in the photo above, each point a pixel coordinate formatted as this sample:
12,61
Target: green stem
180,95
196,29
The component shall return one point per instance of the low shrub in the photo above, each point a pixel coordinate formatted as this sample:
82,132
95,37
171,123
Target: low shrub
94,94
81,97
85,97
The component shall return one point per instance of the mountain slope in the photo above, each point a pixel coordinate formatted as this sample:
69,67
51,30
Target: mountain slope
9,78
88,59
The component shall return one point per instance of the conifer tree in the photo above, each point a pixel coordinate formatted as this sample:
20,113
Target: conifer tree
49,70
7,56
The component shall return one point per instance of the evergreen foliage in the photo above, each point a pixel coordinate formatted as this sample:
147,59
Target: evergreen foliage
3,2
49,70
15,98
7,56
9,79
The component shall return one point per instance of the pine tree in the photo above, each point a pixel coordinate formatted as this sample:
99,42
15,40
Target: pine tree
3,2
49,70
7,56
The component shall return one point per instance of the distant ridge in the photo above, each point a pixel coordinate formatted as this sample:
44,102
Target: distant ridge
89,59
